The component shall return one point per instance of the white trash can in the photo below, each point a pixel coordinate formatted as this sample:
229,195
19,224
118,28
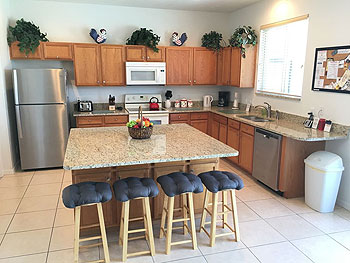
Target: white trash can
323,171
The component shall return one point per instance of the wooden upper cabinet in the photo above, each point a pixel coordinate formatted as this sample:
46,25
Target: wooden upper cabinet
224,66
87,65
58,50
15,53
179,65
204,66
135,53
112,65
155,56
243,69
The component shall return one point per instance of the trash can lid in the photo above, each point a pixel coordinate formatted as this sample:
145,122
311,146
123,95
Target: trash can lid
325,161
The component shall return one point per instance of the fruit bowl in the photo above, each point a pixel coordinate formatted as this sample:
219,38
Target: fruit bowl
140,133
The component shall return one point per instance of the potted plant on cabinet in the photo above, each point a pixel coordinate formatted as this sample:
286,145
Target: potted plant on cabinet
243,36
144,37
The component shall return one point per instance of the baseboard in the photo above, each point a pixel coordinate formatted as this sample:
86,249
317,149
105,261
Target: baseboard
10,171
343,203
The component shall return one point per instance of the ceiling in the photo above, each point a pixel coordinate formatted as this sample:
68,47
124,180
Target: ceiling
191,5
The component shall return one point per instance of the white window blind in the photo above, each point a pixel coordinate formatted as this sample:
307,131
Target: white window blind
281,58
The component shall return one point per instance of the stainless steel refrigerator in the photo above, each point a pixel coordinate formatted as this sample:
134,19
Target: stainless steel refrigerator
42,116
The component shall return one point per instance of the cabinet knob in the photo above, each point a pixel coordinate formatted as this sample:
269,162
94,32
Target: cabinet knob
179,117
57,57
143,57
147,57
104,82
194,81
98,82
26,56
189,81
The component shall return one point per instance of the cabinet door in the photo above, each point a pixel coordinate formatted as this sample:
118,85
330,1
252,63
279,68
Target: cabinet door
248,68
201,125
86,122
179,118
113,66
89,213
158,201
205,66
135,53
235,67
226,66
155,56
87,65
223,133
58,51
15,53
246,149
215,128
233,141
179,65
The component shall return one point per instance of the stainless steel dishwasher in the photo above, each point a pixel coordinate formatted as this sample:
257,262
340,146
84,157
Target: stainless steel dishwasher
266,160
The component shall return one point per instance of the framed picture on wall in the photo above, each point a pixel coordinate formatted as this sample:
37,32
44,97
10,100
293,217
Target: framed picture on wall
332,69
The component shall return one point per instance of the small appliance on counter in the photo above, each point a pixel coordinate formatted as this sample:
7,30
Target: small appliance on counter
154,103
224,98
207,100
168,95
309,121
235,102
183,103
85,106
111,103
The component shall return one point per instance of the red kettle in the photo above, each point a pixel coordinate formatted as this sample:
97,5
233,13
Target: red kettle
153,103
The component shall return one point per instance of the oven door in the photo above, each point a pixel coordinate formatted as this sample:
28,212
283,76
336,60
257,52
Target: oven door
156,119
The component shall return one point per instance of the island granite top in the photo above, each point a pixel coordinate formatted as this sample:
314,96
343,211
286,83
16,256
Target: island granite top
89,148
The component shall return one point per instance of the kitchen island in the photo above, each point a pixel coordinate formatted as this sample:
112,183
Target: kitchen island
109,154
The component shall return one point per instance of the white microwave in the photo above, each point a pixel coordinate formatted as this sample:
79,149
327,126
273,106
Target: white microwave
145,73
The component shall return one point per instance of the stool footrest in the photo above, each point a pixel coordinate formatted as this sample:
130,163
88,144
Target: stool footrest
224,234
90,226
89,238
137,230
135,219
181,220
91,245
145,252
137,237
181,242
94,261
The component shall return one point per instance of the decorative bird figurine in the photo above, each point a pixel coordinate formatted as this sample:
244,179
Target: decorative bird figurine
99,38
179,41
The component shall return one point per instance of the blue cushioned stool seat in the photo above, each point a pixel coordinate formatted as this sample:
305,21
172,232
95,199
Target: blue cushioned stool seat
178,183
216,181
134,187
86,193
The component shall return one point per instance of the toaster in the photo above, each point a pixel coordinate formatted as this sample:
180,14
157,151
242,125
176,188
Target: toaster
85,106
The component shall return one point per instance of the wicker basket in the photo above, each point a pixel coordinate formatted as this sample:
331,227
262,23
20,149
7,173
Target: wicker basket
140,133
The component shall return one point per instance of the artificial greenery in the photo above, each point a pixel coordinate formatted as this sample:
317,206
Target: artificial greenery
212,41
242,36
28,35
144,37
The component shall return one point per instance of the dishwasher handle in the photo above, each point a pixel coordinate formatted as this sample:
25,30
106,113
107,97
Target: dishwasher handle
268,135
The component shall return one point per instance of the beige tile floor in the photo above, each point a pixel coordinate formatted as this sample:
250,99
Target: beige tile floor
36,228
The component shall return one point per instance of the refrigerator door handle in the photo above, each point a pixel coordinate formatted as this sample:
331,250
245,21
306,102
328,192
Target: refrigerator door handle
19,123
15,86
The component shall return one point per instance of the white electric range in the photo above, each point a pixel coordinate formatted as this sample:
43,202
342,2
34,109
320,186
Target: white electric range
133,101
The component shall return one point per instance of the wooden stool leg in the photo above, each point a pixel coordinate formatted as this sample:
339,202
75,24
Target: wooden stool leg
235,214
204,212
192,219
149,225
184,212
164,214
121,227
103,232
213,219
76,233
169,224
125,230
223,209
144,218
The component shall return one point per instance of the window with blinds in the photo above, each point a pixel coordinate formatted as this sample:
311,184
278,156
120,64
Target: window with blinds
281,57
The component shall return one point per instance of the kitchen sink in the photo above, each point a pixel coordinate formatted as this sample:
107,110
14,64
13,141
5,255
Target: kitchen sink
231,111
254,118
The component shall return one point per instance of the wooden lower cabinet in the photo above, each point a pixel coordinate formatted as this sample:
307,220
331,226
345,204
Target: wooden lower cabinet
198,120
215,129
101,121
246,151
218,127
112,209
233,141
201,125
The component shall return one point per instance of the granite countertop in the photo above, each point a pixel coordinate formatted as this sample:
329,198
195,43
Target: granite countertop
112,146
292,128
100,113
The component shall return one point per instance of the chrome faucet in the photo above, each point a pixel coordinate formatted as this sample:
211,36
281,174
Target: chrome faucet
267,108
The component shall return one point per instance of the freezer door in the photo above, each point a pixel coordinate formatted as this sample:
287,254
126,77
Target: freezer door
42,134
39,86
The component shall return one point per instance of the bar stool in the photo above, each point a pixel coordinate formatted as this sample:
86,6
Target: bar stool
183,184
224,182
86,194
133,188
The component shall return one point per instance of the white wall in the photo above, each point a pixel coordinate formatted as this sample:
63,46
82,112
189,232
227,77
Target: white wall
326,28
7,140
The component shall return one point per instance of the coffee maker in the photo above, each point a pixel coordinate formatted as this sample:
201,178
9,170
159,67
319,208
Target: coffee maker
224,98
